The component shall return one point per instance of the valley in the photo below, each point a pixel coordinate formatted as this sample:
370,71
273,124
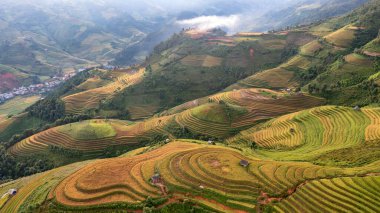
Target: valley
286,120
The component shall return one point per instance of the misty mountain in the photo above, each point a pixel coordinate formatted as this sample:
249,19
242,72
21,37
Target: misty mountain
306,12
41,38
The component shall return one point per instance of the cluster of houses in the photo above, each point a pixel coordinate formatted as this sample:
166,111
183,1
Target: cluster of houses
34,88
48,85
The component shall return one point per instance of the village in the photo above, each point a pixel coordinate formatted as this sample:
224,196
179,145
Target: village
45,87
35,88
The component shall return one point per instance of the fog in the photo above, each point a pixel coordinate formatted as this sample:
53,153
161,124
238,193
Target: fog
232,15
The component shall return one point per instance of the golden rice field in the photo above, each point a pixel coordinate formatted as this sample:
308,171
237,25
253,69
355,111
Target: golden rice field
272,78
201,61
17,105
5,122
79,102
34,190
91,136
342,37
241,110
347,194
142,111
357,59
372,48
92,83
206,174
311,49
309,133
297,61
244,108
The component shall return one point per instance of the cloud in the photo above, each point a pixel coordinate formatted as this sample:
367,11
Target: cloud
231,23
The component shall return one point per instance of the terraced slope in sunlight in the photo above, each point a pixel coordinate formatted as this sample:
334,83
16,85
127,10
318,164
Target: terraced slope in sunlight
204,174
357,194
91,136
311,132
79,102
220,116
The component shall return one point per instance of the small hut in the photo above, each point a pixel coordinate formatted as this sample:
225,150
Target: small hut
244,163
12,192
357,108
156,178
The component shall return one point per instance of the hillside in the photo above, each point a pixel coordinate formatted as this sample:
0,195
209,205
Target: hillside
42,39
316,134
191,176
193,65
341,50
283,121
216,117
308,11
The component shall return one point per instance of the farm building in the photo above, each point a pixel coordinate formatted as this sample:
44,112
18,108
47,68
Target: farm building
244,163
156,179
12,191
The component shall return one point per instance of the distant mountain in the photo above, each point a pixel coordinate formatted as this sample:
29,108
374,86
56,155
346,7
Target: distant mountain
306,12
41,39
45,39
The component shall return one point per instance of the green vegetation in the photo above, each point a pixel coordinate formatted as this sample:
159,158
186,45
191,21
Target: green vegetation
373,46
19,126
323,135
169,82
17,105
248,148
330,195
88,130
353,156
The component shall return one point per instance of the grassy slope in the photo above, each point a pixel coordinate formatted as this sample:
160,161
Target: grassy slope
373,46
17,105
19,125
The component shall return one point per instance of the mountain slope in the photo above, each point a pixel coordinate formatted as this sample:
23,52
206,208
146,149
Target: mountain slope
336,65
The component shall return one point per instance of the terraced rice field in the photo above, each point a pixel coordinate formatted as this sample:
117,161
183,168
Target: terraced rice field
93,83
246,106
311,49
358,59
90,99
34,190
306,134
206,174
207,119
5,122
142,111
356,194
91,136
297,61
272,78
17,105
201,61
242,109
342,37
372,48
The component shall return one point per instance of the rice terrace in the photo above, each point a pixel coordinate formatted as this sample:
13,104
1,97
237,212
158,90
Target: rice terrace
203,106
